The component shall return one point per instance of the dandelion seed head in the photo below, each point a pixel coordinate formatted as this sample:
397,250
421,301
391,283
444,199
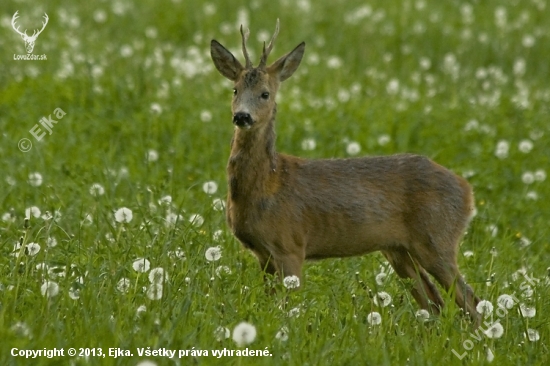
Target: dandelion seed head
528,177
525,146
213,254
291,282
158,275
97,190
540,175
308,144
35,179
155,108
222,333
381,278
384,139
141,265
154,291
244,333
282,334
374,318
502,149
294,312
21,329
422,315
152,155
123,285
196,220
32,211
353,148
533,335
206,116
49,289
527,311
382,299
74,293
123,215
485,308
210,187
496,330
218,204
223,270
32,249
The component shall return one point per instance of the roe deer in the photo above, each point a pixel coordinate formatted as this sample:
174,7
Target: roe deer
286,209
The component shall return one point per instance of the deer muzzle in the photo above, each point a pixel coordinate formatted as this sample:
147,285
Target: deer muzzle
243,120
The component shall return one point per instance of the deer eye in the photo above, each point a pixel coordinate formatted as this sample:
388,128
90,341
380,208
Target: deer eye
234,91
265,95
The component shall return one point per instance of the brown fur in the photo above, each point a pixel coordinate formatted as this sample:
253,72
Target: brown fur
287,209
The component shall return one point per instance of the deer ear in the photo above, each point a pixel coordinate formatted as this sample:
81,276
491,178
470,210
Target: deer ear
286,65
225,62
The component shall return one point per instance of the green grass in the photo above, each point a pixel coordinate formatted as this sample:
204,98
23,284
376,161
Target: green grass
417,72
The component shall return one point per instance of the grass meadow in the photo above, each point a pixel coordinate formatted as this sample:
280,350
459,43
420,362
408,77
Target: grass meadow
126,244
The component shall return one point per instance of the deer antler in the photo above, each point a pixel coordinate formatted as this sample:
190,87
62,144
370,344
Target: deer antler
43,25
267,50
13,20
245,35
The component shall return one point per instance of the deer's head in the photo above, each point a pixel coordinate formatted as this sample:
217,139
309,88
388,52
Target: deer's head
255,88
29,40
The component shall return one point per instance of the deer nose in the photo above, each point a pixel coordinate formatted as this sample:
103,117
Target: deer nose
242,119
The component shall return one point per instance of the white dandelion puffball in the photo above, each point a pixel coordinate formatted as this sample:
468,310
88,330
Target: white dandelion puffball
485,308
494,331
206,116
196,220
210,187
244,333
35,179
158,275
152,155
502,149
123,215
123,285
218,204
97,190
141,265
282,334
32,211
527,312
309,144
222,333
154,291
374,318
353,148
32,249
381,278
533,335
213,254
49,289
525,146
382,299
291,282
422,315
506,301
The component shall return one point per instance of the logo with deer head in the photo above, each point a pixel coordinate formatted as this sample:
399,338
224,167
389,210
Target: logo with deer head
29,40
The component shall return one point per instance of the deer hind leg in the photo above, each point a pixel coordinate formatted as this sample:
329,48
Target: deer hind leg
424,291
441,263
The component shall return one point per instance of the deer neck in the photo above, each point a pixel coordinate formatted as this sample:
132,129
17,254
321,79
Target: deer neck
253,162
